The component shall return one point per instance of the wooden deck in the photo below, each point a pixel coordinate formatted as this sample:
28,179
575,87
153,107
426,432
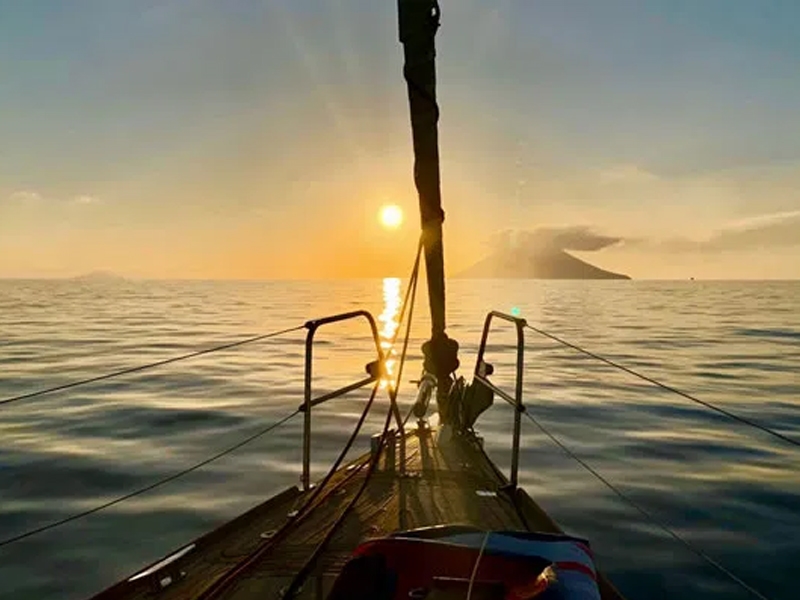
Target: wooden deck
440,484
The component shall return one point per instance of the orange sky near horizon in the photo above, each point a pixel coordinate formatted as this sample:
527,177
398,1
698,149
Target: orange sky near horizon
135,142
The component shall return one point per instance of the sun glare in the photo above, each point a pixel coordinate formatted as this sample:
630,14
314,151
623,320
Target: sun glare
391,216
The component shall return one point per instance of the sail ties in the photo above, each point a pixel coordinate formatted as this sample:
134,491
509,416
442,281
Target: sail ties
441,356
441,360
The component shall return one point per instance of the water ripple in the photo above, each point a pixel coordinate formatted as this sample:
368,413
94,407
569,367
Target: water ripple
733,492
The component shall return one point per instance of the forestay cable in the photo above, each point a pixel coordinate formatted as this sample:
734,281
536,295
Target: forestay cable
148,366
147,488
410,298
249,562
668,388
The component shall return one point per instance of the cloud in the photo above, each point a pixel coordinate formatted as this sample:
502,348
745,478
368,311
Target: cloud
626,174
24,196
767,231
770,230
773,230
84,199
577,238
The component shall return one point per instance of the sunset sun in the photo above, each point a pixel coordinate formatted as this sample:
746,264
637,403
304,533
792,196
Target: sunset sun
391,216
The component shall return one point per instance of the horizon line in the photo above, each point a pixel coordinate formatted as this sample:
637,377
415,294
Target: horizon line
112,278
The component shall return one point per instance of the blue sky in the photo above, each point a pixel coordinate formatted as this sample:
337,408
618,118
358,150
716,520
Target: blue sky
180,138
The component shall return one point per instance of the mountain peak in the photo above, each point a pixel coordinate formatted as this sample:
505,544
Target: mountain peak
543,264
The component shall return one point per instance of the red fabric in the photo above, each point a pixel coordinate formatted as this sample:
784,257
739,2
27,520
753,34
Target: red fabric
418,561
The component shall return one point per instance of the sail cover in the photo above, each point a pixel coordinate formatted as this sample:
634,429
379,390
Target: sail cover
452,561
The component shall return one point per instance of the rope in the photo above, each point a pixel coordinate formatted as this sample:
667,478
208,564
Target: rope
147,488
755,593
363,417
669,388
229,578
477,562
411,294
302,574
148,366
345,450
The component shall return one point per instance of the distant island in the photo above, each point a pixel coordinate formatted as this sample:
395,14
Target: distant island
541,264
98,276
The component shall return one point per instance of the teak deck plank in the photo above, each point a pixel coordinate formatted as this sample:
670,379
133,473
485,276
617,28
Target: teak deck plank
438,486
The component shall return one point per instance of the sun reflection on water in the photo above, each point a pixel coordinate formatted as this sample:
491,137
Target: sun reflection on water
388,320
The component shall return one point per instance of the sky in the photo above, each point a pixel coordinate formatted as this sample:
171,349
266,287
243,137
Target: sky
247,139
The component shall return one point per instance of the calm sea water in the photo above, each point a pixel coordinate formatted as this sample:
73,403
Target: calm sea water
733,492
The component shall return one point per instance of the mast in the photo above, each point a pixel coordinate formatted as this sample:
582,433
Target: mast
419,21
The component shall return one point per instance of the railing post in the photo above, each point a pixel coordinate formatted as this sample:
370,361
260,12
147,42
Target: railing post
519,407
306,477
309,401
482,375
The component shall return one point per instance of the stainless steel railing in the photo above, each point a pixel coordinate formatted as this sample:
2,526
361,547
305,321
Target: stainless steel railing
375,371
483,370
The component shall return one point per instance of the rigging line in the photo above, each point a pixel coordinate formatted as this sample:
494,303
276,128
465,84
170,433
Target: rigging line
411,280
303,573
221,584
148,366
644,512
669,388
412,289
230,577
371,400
345,450
148,488
477,562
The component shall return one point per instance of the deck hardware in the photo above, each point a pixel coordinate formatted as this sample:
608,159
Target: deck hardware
391,446
486,493
418,593
375,444
164,572
293,514
401,447
266,535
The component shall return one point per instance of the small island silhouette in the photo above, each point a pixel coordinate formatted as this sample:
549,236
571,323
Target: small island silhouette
98,276
542,253
541,264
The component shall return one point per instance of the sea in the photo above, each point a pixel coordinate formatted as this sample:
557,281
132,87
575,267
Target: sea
703,485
